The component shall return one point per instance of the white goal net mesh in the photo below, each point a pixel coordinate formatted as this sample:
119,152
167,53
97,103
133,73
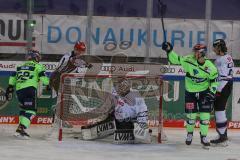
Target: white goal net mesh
85,99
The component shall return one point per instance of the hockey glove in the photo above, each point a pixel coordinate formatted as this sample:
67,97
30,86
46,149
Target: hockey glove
167,47
210,97
9,93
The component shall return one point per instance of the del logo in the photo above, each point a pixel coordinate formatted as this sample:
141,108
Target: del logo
3,100
7,65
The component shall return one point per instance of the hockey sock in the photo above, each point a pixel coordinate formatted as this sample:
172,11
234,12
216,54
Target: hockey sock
191,119
204,123
221,121
26,117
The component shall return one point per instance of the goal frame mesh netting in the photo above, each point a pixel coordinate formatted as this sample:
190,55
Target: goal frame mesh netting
73,91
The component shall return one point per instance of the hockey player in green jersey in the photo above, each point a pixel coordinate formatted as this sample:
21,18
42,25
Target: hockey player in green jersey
200,87
26,79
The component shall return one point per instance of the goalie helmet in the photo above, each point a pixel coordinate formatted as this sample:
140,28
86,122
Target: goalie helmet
220,45
33,55
200,48
123,87
80,46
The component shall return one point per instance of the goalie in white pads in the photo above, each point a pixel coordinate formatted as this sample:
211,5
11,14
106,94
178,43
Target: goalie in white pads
131,115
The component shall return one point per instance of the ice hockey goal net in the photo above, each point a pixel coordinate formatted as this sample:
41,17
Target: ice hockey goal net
84,98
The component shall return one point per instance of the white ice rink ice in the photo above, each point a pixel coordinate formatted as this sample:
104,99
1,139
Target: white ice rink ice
39,148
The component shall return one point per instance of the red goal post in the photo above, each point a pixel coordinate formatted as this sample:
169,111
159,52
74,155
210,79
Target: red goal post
84,97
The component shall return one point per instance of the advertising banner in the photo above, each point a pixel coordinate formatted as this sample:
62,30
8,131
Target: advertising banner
56,34
172,105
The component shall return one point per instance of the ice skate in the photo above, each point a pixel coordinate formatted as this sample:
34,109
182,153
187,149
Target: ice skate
221,140
21,134
189,138
205,142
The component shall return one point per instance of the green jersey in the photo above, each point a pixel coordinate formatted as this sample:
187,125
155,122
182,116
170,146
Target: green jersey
28,74
198,77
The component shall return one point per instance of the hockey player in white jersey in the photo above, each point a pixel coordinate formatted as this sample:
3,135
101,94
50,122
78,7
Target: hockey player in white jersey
71,62
130,113
224,64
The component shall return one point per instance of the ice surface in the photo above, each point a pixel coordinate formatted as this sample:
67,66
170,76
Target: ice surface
40,148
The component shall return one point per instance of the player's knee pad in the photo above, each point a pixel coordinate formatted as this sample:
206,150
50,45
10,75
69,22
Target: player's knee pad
191,118
204,122
98,130
191,121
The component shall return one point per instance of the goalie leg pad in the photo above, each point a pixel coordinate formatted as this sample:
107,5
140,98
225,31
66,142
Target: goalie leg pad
142,133
124,132
98,130
124,136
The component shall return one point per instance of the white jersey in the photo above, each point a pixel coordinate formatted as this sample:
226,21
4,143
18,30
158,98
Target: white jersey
131,107
224,66
79,63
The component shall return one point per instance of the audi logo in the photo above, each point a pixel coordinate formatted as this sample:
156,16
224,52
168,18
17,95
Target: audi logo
108,68
50,66
167,70
124,45
110,46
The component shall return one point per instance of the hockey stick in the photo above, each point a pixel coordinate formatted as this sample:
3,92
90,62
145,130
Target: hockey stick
162,11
